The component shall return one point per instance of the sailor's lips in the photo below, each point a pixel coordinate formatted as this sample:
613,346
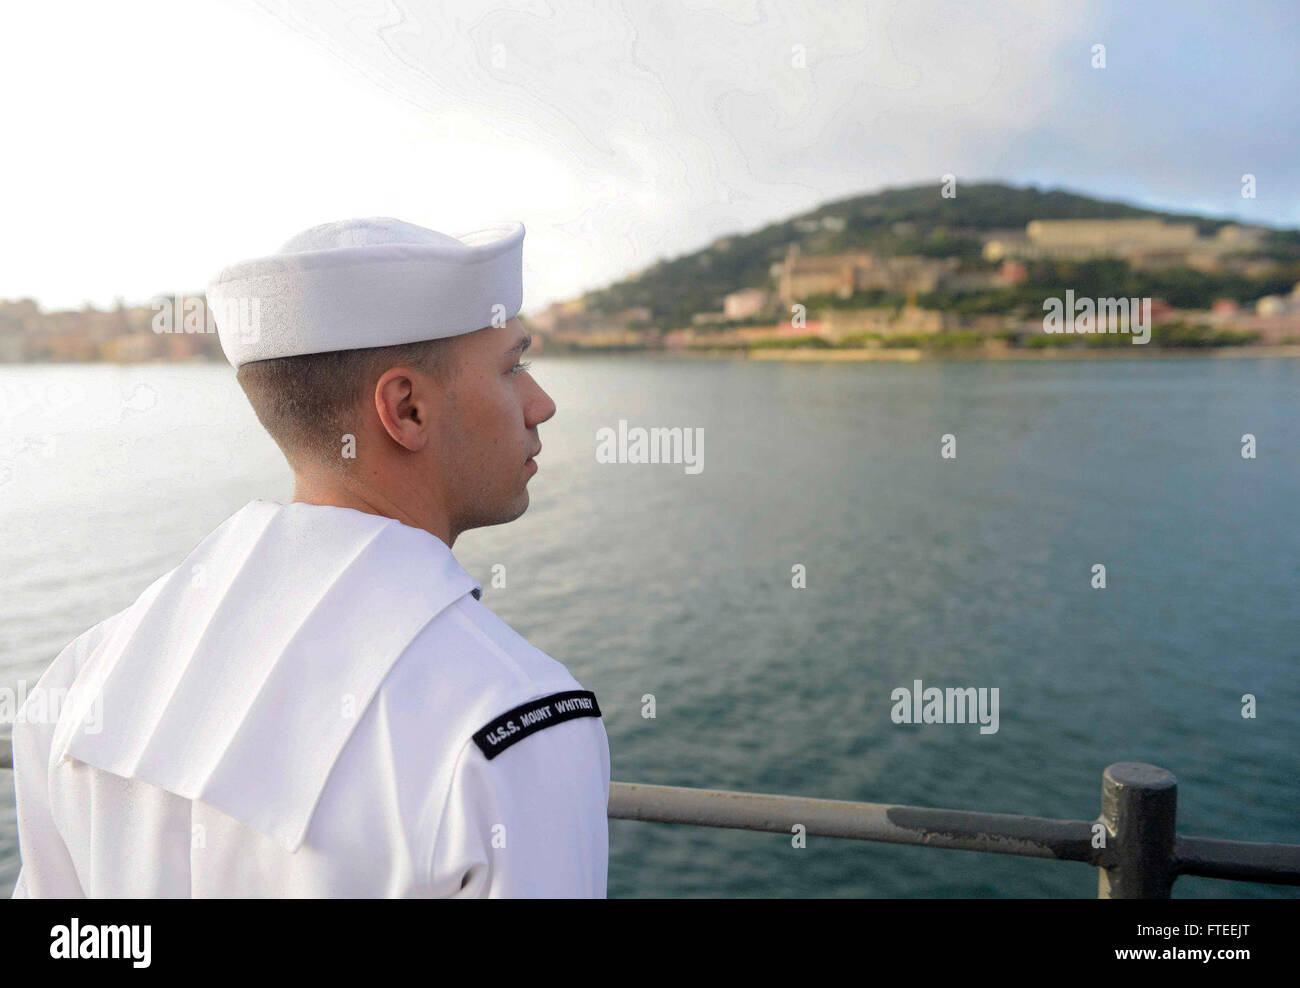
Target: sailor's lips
532,461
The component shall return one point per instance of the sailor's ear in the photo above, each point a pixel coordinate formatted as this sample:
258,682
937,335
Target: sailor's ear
405,405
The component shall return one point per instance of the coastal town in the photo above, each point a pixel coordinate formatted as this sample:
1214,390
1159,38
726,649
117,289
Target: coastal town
871,300
848,277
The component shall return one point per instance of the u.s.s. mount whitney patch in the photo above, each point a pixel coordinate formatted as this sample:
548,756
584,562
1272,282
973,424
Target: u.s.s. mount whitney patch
535,715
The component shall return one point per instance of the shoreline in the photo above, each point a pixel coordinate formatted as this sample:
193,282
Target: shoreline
917,355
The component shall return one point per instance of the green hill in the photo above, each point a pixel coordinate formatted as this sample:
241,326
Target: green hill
913,220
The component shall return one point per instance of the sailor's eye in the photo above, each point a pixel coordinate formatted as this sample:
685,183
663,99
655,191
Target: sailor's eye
523,365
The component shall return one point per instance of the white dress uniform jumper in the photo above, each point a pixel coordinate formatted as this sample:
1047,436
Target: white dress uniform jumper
314,703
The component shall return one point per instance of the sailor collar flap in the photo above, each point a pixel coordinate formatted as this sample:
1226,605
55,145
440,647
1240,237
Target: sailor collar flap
237,679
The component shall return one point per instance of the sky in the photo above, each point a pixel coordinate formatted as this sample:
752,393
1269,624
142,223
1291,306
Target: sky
148,143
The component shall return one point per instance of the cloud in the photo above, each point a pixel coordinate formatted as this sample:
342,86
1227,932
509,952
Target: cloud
193,135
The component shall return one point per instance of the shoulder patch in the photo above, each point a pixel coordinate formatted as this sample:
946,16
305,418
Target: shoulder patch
535,715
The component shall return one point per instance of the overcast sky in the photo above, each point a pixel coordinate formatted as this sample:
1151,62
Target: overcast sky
148,143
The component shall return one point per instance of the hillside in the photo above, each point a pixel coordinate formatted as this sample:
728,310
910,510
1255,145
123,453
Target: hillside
905,221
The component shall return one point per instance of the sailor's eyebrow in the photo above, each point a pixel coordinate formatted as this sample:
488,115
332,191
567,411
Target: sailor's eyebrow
521,344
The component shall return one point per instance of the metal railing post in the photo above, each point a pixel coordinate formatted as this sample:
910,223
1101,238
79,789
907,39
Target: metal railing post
1139,808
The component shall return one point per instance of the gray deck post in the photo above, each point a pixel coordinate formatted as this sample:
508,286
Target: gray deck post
1139,807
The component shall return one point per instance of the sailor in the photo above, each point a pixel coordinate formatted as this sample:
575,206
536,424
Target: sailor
315,702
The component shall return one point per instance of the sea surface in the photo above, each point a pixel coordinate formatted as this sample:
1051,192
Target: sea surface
647,580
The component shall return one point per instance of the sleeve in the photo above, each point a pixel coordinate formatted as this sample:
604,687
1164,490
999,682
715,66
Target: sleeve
530,822
48,871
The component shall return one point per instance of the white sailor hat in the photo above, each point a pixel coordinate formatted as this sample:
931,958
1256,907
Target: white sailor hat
367,283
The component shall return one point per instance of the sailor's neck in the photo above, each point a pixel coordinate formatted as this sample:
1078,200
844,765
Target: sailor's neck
309,489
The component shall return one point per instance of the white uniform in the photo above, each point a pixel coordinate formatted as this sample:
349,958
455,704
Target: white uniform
314,703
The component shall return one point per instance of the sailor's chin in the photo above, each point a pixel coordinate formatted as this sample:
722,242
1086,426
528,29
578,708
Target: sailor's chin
518,507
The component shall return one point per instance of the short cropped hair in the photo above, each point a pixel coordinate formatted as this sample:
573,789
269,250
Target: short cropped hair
309,402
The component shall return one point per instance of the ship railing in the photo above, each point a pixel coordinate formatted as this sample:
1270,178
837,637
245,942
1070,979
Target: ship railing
1133,841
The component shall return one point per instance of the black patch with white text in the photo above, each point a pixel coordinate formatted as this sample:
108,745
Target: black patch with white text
535,715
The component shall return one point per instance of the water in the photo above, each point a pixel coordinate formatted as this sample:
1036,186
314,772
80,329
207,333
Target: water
644,579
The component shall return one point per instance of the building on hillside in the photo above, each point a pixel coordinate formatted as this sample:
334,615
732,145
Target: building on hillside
559,317
634,315
1108,237
19,314
746,303
1012,273
1145,243
1272,305
907,273
886,321
1276,324
972,281
679,339
122,334
800,276
547,320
